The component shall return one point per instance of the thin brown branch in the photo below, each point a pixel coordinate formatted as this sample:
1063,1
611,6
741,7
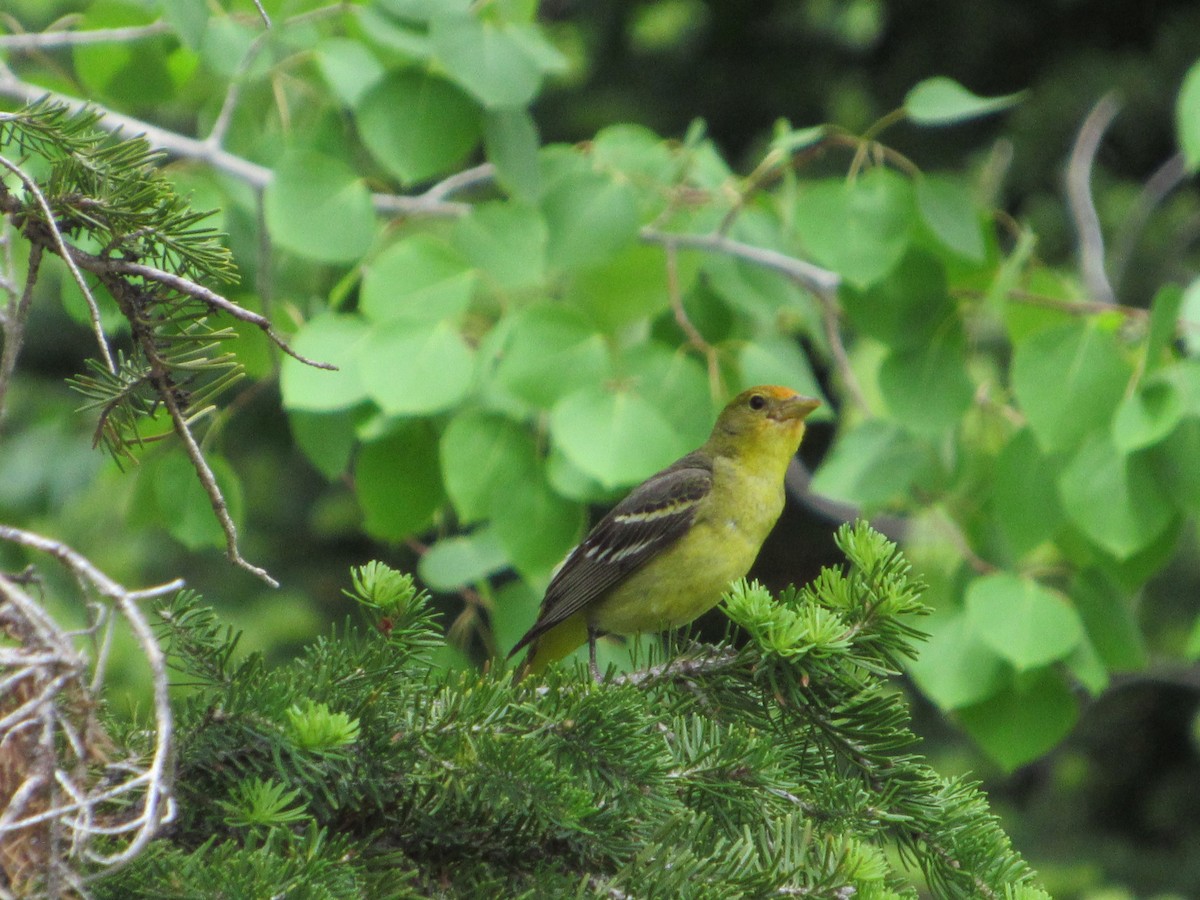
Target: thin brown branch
1081,202
695,338
208,481
831,320
99,265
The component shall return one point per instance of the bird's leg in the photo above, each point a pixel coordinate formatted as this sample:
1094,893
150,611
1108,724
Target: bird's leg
593,633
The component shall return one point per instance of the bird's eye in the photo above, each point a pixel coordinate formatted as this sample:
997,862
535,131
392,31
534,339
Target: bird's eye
757,401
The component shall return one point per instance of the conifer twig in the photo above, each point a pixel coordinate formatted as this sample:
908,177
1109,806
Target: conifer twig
60,246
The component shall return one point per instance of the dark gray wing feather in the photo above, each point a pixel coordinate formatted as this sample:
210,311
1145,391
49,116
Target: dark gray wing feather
656,514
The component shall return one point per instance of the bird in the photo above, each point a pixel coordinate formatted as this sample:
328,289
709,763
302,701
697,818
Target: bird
667,552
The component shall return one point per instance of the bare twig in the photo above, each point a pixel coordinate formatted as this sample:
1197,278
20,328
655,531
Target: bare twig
209,482
459,181
714,660
1081,202
807,275
182,147
262,12
49,40
61,246
199,292
13,325
695,338
831,320
1162,182
60,788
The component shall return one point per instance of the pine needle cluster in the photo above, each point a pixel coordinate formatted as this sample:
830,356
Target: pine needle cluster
784,767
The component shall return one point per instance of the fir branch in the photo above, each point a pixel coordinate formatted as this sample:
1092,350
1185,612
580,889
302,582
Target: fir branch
8,204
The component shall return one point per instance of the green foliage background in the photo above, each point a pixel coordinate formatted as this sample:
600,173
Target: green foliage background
512,352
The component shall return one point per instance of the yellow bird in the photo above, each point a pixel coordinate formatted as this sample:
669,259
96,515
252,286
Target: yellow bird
667,552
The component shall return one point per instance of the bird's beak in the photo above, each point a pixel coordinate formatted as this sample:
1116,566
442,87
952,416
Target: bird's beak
797,408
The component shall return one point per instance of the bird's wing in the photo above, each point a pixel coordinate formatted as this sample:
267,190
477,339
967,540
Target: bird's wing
656,514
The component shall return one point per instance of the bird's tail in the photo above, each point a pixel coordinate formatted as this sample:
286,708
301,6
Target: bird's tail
553,645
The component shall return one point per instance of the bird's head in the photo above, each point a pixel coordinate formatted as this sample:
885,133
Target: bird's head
766,420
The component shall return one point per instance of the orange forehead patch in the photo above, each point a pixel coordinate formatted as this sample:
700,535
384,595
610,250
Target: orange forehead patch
774,391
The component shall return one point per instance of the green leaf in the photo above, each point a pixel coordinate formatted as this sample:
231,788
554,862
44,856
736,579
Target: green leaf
1068,379
418,125
674,383
639,155
1024,721
908,309
590,218
629,286
615,436
486,59
778,360
398,483
135,73
1177,465
184,506
551,351
1187,117
418,279
1110,620
510,138
872,466
1148,415
507,242
348,67
1114,498
329,338
859,228
454,562
569,480
412,369
316,207
424,11
1192,649
1025,494
1023,622
536,525
1164,326
955,668
1189,317
479,452
327,439
927,388
946,206
942,101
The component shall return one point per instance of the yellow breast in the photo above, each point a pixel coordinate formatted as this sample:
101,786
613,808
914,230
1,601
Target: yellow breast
688,578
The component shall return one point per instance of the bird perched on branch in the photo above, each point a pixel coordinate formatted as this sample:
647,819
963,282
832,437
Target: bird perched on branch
667,552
